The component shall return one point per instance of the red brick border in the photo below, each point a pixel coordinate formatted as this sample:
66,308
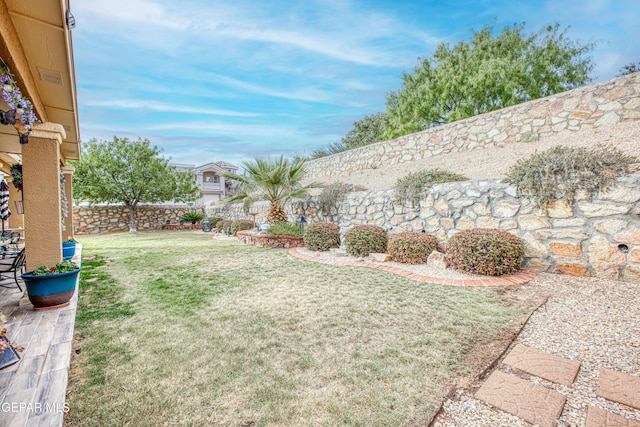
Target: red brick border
521,278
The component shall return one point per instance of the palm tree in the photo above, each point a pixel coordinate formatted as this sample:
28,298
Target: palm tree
276,181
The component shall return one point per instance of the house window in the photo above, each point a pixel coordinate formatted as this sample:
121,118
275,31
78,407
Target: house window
207,179
216,179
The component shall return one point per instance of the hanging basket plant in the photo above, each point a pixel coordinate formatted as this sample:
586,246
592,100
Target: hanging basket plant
15,100
16,175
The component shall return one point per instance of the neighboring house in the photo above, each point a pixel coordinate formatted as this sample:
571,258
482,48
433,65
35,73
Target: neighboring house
210,179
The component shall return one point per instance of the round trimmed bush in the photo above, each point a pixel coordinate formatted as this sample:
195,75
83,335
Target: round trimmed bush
213,222
485,251
241,224
221,226
322,236
364,239
412,248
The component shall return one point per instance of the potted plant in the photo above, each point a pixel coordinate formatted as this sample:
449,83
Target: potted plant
51,287
68,248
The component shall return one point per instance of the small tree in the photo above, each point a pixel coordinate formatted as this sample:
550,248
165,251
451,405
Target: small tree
129,172
276,181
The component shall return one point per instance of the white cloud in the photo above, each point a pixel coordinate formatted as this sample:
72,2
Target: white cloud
128,104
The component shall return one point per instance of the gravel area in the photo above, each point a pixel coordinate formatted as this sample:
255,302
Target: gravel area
589,320
494,162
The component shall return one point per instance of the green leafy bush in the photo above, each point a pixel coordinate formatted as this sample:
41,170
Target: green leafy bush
221,226
557,173
192,217
409,188
412,248
485,251
362,240
322,236
241,224
284,229
213,221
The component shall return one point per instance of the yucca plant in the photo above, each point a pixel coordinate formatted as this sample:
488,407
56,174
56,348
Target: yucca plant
276,181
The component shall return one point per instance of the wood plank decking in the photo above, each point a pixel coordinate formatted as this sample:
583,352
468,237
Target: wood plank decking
32,391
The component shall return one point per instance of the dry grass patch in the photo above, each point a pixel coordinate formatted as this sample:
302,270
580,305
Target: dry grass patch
224,334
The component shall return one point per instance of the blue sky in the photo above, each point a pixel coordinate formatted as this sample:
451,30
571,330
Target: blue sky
232,80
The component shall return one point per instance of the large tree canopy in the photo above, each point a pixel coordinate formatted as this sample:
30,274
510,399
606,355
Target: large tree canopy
276,181
129,172
487,73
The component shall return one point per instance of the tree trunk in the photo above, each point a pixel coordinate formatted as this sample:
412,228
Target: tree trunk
276,214
133,225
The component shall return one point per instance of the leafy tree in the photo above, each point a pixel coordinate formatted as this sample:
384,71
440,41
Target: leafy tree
630,68
366,131
129,172
488,73
276,181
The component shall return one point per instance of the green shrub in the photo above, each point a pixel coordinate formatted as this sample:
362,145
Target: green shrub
557,173
213,220
362,240
412,248
331,195
284,229
222,225
485,251
192,217
322,236
241,224
409,188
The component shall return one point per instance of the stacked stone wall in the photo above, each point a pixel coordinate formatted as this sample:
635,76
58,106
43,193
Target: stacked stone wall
110,219
593,106
598,236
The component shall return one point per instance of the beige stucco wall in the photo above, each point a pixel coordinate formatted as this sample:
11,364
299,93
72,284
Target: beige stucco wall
41,188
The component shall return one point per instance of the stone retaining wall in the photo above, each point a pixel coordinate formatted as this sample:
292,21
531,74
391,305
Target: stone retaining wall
598,236
592,106
109,219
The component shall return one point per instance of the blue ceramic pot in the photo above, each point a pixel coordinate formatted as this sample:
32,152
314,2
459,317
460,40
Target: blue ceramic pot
68,249
52,290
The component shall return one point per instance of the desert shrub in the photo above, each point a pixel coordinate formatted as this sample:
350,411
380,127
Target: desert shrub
241,224
362,240
284,229
213,221
222,225
331,195
412,248
322,236
485,251
557,173
192,217
409,188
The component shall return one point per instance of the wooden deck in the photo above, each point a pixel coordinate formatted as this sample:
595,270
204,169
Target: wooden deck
32,391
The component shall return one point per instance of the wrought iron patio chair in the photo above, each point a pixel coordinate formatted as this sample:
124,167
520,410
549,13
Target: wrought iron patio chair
13,265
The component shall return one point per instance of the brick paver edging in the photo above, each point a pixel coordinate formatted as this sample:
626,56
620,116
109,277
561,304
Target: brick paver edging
522,277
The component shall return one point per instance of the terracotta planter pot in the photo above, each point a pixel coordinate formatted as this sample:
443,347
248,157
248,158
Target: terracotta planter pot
50,291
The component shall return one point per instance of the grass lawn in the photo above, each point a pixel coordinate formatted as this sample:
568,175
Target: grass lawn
177,328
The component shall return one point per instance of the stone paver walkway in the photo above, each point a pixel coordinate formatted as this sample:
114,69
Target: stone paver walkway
520,278
582,345
542,406
533,403
543,365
